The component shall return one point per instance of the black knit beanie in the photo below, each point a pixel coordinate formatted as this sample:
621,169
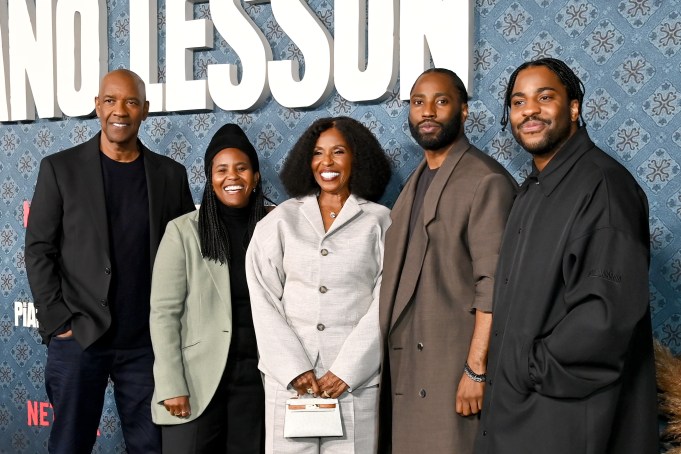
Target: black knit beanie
230,136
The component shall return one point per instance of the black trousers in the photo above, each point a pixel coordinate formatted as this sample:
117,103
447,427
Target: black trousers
233,422
76,381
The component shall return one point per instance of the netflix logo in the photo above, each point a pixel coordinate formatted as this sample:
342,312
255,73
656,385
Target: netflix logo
40,414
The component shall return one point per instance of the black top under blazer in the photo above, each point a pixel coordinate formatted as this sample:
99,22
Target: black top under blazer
67,240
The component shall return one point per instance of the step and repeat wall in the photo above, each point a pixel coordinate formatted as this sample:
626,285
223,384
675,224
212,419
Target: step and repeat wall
628,53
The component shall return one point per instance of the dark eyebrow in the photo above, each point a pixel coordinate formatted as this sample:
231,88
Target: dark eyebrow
338,145
113,96
436,95
236,164
538,90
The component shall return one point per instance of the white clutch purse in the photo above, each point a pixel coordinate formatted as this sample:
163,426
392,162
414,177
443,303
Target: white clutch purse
312,417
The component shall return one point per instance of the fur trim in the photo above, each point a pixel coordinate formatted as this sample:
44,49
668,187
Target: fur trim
668,369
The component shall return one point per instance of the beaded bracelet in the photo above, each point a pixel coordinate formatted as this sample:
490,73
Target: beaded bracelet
472,375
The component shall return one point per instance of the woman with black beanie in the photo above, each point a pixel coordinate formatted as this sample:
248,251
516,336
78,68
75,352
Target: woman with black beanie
209,394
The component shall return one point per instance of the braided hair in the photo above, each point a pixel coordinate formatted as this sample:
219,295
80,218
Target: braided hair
212,230
573,85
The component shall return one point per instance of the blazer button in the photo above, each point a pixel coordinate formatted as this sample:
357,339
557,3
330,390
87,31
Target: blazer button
321,327
419,346
324,252
322,289
422,393
103,303
107,270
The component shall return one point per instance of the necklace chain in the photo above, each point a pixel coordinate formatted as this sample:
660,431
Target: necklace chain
333,214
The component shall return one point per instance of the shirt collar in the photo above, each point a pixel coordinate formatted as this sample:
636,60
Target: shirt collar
559,166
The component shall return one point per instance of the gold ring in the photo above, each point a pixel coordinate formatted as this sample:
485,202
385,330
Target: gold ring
310,391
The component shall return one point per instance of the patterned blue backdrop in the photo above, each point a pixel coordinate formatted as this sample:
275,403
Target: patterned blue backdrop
627,52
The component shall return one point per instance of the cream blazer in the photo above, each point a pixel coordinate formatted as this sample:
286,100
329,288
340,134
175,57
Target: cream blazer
314,294
190,321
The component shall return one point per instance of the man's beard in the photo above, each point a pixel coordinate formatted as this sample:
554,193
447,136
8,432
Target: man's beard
551,141
445,136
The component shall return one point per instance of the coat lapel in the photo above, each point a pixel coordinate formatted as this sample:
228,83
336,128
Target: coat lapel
396,242
310,209
417,245
351,208
218,273
441,179
155,191
94,182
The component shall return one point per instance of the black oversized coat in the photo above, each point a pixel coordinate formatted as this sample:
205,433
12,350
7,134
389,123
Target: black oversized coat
570,366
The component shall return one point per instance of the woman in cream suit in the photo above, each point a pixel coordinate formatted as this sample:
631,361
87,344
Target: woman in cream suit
209,395
314,271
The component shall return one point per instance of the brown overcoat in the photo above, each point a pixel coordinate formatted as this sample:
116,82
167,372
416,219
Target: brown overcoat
432,284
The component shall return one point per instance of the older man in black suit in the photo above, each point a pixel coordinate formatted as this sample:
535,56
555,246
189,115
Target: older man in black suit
97,216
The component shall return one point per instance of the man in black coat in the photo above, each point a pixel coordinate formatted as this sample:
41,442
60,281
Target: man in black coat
571,366
97,216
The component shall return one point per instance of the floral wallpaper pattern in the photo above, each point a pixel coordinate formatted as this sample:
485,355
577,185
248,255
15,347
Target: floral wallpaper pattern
628,53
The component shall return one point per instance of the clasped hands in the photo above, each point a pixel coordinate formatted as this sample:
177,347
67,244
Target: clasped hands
328,386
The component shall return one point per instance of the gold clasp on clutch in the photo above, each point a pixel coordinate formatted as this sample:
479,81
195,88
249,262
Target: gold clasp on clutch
311,406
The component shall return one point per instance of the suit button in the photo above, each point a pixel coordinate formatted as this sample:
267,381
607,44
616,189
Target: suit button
419,346
489,382
484,433
322,289
496,333
422,393
321,327
107,270
324,252
103,303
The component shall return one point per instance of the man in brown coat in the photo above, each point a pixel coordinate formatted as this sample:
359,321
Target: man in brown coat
436,297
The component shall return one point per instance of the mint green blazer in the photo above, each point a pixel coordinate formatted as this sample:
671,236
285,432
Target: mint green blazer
190,321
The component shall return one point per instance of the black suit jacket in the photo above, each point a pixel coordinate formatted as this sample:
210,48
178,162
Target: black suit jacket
67,240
